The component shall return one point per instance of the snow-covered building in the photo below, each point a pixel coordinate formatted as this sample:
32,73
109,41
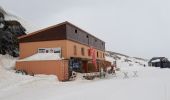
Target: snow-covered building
159,62
59,49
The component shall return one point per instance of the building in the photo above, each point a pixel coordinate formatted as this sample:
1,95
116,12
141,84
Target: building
161,62
67,47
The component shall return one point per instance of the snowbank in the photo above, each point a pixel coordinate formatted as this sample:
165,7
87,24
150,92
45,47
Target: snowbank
150,84
7,62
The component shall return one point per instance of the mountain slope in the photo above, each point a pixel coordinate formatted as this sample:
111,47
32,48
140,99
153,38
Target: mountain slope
9,31
123,60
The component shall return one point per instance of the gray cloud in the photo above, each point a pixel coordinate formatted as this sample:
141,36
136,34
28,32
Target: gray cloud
134,27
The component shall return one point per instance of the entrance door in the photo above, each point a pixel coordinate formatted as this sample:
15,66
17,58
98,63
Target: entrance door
85,66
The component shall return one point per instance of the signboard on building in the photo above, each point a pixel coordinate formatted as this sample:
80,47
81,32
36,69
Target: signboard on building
50,50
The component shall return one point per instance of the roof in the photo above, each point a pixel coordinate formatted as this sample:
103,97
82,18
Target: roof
36,32
50,27
158,59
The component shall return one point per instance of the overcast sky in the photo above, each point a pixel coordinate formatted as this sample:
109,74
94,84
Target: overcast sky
134,27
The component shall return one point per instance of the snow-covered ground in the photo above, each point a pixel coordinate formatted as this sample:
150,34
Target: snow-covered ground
149,84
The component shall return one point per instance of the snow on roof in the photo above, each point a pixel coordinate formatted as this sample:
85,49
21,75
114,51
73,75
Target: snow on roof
157,60
111,59
42,56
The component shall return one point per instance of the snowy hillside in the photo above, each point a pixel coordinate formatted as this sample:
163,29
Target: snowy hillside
124,60
27,25
11,27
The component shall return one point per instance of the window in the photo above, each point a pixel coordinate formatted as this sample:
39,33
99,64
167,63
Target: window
102,43
87,36
89,53
75,50
103,55
97,54
82,51
75,31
